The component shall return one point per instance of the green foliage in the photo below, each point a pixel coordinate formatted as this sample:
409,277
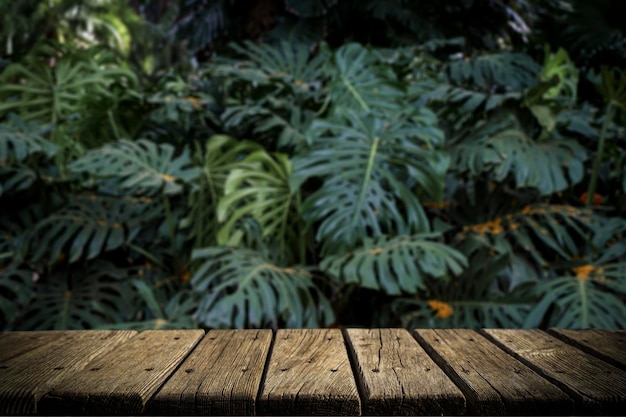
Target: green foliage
89,227
371,169
242,288
258,187
80,298
16,290
155,175
140,167
396,265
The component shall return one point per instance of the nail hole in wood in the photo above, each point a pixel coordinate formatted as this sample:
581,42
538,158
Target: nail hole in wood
58,368
245,370
284,369
375,370
149,369
190,370
94,369
176,338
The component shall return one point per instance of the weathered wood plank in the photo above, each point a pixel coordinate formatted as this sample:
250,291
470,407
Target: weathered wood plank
493,382
309,374
397,377
122,381
597,387
222,376
13,344
605,344
26,377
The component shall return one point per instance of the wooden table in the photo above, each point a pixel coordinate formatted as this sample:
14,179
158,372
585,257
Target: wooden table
313,372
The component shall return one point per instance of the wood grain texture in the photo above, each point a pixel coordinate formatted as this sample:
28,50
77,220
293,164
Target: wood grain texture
309,374
122,381
493,382
604,344
597,387
222,376
13,344
397,377
26,377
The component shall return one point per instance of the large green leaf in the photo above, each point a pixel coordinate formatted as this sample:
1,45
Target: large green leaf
141,167
51,83
176,314
473,299
359,83
16,290
287,68
397,265
240,288
371,169
593,297
81,298
19,140
219,156
88,227
505,150
259,188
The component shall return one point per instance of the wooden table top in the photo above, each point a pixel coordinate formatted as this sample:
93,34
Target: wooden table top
313,372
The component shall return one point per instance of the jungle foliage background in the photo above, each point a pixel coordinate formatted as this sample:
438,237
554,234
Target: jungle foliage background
305,163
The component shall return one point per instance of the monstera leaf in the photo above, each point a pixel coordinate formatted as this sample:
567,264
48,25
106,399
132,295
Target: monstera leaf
177,312
219,156
359,83
52,92
259,188
19,140
591,297
141,167
16,290
81,298
240,288
368,167
512,71
473,299
505,150
285,66
484,82
89,227
396,265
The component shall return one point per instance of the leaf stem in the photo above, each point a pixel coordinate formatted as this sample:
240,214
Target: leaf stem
170,224
600,153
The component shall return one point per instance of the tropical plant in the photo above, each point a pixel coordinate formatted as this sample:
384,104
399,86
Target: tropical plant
310,175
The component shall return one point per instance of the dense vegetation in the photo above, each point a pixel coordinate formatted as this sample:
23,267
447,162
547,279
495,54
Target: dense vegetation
224,163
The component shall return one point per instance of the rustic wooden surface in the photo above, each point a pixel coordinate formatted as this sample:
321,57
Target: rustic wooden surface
493,382
26,377
222,376
309,374
398,377
123,381
606,345
596,386
13,344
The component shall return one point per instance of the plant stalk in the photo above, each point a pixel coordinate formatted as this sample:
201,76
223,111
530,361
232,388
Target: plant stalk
591,190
